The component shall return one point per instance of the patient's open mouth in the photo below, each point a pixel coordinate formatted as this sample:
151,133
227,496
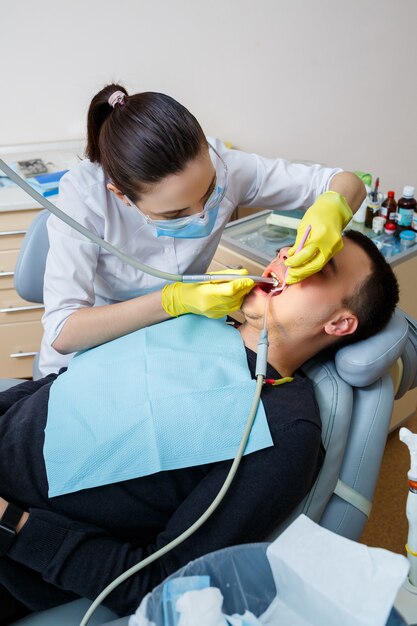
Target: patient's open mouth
274,290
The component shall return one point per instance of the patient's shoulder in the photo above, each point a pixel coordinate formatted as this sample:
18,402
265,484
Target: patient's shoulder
291,402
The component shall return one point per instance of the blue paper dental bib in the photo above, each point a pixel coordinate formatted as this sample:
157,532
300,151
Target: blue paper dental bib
174,395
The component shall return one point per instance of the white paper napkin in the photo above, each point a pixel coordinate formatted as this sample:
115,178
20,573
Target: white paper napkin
328,579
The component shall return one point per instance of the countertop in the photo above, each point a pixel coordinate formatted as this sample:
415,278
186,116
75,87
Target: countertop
57,155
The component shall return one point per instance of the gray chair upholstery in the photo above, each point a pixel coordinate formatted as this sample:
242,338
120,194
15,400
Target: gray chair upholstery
30,267
30,264
355,393
71,614
6,383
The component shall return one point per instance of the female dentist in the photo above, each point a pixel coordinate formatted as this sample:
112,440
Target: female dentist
156,188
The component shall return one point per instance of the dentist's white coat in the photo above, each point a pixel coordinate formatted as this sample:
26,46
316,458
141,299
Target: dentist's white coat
81,274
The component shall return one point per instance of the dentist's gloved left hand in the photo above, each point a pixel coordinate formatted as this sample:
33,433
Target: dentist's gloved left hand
327,217
214,299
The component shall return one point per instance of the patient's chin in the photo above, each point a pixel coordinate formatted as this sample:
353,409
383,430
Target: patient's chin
251,297
249,308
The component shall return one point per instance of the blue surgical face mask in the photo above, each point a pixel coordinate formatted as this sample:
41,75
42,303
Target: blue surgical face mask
190,226
197,225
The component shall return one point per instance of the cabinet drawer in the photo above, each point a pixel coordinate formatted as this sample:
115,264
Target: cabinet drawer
19,344
13,226
231,259
8,260
14,309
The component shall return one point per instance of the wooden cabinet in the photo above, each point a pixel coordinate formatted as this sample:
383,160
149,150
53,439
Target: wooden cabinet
20,321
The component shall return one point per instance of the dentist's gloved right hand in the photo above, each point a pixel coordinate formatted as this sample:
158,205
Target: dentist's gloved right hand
214,299
327,217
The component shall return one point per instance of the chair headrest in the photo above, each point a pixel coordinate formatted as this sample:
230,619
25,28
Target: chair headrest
409,359
362,363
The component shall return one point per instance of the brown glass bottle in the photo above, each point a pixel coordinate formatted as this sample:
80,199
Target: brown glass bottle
389,207
372,209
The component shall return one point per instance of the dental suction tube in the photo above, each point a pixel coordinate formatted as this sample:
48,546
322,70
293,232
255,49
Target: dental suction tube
52,208
82,229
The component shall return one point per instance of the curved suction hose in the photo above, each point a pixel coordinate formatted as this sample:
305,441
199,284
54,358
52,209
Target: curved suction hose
192,529
194,278
260,372
82,229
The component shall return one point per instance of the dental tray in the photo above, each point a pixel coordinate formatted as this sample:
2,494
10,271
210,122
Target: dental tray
257,238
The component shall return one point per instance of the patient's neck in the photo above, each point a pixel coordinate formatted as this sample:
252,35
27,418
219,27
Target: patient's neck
280,355
285,354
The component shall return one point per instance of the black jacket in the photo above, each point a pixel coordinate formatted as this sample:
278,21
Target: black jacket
76,544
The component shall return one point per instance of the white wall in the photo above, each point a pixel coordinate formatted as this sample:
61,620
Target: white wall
332,81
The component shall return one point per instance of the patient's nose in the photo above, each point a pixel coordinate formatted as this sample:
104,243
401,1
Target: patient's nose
283,254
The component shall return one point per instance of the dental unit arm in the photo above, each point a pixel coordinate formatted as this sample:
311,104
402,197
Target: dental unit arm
52,208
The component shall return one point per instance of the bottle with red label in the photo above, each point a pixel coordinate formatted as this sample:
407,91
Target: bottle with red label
389,207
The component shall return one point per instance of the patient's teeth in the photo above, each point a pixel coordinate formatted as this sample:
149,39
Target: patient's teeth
273,275
276,278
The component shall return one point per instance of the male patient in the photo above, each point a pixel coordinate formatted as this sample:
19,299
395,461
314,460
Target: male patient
75,544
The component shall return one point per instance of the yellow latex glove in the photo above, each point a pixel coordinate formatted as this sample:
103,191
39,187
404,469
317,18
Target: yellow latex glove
327,217
214,299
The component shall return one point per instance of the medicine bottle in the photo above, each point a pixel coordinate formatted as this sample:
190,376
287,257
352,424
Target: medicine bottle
372,209
407,239
389,207
407,204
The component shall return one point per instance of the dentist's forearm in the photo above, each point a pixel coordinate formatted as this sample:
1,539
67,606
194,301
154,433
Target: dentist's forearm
92,326
349,186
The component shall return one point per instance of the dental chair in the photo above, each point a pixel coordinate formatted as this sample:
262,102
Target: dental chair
30,267
355,393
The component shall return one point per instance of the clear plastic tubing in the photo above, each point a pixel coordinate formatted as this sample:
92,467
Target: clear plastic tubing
267,301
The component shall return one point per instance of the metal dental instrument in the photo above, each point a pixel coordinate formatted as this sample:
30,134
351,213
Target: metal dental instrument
279,287
202,278
112,249
270,280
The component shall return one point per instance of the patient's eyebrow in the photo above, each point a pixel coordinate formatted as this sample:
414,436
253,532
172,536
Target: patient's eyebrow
287,245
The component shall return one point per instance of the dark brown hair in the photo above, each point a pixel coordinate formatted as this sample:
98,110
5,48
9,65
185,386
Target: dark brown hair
374,300
141,140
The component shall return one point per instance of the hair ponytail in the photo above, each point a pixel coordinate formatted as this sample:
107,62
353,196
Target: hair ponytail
140,139
98,112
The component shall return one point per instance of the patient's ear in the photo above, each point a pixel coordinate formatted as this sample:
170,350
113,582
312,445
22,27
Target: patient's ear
117,192
344,324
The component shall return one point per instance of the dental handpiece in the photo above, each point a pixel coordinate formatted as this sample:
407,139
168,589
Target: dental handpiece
203,278
270,280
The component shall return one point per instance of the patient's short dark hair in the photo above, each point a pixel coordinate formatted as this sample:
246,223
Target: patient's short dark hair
374,300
